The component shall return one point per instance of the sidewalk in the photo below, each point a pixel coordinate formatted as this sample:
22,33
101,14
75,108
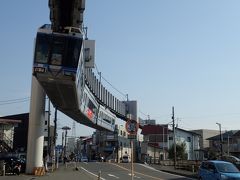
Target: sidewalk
172,170
62,173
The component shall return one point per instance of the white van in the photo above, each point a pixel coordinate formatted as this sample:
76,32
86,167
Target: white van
125,159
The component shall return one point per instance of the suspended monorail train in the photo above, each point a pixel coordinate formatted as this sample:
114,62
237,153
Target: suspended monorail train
59,66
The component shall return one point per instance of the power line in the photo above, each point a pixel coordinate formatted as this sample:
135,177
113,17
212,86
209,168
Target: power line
10,100
14,101
114,87
211,116
156,116
110,83
143,113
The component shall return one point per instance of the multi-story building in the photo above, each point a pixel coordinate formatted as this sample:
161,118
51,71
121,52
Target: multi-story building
230,143
203,142
191,140
204,135
155,142
14,132
7,134
147,122
124,144
113,145
85,147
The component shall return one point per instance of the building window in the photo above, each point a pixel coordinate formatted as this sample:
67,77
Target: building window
188,139
46,123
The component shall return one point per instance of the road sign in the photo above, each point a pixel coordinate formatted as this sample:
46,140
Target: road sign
131,126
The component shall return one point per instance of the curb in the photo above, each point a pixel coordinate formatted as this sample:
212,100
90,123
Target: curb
179,173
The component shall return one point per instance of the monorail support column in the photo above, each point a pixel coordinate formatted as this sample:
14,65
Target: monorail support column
35,128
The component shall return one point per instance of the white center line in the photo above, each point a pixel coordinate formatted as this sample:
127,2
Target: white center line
113,176
91,173
134,176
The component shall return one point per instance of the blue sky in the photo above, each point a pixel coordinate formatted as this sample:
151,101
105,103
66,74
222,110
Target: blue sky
162,53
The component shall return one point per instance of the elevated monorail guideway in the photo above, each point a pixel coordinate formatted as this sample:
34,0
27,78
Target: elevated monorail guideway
63,62
62,68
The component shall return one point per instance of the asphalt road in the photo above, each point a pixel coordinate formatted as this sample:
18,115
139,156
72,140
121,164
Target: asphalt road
107,171
112,171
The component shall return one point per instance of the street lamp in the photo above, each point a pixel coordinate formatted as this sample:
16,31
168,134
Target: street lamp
221,143
66,128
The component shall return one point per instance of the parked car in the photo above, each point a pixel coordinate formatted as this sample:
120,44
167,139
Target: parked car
84,159
218,170
232,159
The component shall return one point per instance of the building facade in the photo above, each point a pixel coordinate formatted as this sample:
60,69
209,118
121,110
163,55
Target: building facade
230,144
16,132
190,139
113,145
155,142
147,122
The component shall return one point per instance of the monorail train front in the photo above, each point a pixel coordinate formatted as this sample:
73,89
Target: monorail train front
57,64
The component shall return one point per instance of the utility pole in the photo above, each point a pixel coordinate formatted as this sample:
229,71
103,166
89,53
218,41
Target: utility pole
163,140
62,154
132,170
66,128
228,143
54,141
174,139
221,140
49,146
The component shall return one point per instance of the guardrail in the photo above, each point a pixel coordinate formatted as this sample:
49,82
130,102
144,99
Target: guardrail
189,165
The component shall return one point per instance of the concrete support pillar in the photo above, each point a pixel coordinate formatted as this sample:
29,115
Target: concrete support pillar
35,127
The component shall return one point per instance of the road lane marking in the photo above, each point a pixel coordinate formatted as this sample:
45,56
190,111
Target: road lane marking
138,172
91,173
134,176
113,176
152,168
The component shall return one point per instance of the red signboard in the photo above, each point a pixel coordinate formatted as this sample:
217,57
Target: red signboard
89,113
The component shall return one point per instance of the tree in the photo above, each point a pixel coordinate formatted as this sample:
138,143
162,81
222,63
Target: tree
180,151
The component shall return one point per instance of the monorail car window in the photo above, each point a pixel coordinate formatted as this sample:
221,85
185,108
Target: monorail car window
65,51
42,49
107,118
73,52
85,97
58,50
57,53
92,106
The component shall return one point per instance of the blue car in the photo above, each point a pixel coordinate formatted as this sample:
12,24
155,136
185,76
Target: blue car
218,170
